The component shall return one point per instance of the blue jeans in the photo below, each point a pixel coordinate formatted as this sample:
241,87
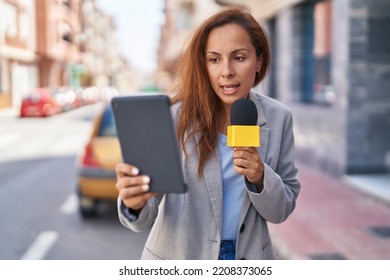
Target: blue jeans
228,250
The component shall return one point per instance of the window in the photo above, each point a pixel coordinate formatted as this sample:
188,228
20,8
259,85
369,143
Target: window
25,28
312,53
184,16
322,49
66,32
107,125
378,34
10,20
66,3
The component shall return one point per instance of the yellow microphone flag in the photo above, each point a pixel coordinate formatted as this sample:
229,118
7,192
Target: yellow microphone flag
243,136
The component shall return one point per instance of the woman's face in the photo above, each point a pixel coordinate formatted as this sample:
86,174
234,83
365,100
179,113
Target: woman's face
231,63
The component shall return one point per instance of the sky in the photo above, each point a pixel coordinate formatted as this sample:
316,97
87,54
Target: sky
138,25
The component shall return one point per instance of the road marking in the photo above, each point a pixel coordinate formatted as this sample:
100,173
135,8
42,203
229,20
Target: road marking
9,138
41,246
70,204
28,147
70,144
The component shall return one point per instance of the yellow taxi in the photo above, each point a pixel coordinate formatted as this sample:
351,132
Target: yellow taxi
96,165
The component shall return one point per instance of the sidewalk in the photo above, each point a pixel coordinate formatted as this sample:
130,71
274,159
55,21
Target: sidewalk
9,112
335,220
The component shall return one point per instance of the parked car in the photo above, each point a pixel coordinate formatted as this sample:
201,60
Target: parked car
68,98
96,166
90,95
39,103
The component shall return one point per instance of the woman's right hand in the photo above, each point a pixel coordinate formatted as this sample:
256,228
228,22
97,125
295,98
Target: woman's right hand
133,188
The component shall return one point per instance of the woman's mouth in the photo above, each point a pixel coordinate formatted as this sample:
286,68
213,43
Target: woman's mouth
230,89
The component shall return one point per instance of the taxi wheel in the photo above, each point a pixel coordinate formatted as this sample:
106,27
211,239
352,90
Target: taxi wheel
87,207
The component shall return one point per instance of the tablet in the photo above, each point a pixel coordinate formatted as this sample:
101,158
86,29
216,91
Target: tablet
148,140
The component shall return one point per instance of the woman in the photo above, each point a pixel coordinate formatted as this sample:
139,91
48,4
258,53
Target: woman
232,193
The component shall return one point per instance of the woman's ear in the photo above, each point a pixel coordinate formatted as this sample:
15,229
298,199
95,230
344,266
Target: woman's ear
259,63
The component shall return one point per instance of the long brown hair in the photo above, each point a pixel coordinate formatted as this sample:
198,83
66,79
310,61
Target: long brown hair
201,109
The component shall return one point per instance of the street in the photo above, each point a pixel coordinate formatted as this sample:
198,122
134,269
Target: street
38,204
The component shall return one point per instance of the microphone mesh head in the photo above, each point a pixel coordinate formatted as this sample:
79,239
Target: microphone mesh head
243,112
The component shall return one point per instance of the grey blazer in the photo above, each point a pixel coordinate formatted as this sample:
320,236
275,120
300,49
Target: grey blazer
188,226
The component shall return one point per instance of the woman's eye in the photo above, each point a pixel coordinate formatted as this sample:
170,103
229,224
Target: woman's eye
239,58
213,60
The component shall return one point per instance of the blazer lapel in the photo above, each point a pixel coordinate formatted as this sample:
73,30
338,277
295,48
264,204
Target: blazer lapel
212,174
261,121
264,132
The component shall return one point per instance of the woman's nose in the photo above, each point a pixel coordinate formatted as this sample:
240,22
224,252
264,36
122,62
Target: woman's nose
227,71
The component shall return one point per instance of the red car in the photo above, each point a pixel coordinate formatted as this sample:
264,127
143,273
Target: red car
39,103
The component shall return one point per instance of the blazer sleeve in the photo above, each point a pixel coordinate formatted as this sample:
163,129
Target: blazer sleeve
281,185
144,219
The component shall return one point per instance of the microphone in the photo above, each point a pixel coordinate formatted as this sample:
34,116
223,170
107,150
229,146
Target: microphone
243,131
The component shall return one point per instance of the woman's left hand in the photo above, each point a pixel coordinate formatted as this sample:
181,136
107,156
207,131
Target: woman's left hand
247,162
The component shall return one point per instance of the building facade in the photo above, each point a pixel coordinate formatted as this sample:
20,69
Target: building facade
58,42
17,50
103,63
181,17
